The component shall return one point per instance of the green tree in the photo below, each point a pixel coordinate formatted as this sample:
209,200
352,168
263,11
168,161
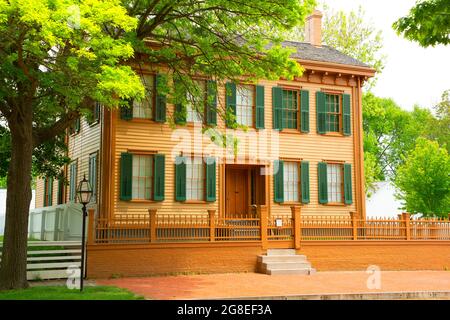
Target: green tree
427,23
439,126
423,180
57,57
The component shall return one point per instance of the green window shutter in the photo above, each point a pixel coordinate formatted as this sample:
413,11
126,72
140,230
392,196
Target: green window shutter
160,101
323,183
278,183
60,194
126,112
50,191
211,103
346,114
180,179
348,184
277,107
126,175
230,100
158,177
304,109
321,112
210,179
259,117
305,181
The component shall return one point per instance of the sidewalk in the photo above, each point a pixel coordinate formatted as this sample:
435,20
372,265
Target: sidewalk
254,285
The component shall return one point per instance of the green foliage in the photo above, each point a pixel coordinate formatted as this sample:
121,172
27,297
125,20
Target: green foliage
439,127
423,180
63,293
371,173
427,23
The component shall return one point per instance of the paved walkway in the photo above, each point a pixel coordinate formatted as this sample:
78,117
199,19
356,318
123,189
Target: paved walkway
253,285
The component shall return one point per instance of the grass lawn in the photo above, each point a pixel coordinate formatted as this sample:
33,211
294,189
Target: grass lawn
62,293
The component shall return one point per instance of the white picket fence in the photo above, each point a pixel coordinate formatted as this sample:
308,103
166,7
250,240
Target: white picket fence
56,223
52,260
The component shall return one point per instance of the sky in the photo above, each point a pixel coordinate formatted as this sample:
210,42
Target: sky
412,74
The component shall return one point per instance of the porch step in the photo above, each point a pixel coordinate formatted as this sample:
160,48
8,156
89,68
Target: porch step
284,261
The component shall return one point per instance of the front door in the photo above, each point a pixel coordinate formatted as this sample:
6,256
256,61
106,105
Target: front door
236,190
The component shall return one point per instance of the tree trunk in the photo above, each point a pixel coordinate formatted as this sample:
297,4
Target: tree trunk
13,269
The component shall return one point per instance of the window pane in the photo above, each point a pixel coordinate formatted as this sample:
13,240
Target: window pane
142,177
195,179
291,181
290,109
333,112
334,182
195,103
244,105
144,108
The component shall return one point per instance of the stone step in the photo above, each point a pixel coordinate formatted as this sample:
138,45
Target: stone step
290,271
281,252
284,265
282,258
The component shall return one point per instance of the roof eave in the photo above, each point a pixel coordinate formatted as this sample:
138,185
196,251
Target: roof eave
337,67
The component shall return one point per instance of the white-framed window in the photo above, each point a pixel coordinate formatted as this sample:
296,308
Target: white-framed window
144,109
142,177
195,179
245,97
93,175
73,181
335,182
291,180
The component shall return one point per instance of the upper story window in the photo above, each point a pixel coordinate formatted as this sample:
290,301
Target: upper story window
290,108
333,112
95,118
196,103
245,100
93,175
74,128
48,192
73,181
144,109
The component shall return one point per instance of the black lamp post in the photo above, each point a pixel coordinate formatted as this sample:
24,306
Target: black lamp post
84,194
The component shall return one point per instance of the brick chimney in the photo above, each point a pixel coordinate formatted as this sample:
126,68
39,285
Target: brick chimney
313,29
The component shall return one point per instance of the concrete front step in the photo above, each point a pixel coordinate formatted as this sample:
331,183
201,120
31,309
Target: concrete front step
290,271
282,258
285,265
281,252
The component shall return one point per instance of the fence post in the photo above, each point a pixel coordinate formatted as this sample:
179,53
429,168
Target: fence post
91,226
354,216
296,216
405,217
212,224
263,216
152,213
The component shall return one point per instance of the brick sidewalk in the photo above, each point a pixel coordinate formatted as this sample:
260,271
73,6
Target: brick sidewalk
239,285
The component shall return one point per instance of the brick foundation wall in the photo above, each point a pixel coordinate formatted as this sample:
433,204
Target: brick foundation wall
144,260
388,255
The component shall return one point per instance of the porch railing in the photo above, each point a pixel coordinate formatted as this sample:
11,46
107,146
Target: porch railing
176,228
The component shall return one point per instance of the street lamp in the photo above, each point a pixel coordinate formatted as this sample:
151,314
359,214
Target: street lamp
84,194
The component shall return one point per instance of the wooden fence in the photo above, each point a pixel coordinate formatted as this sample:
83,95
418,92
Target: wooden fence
165,228
52,259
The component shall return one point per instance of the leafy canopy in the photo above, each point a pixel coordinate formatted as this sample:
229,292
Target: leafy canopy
427,23
423,180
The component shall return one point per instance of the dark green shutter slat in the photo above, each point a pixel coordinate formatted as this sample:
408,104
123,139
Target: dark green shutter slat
259,119
321,112
278,185
126,112
126,175
304,108
180,110
277,107
160,111
323,187
211,103
305,181
210,179
346,113
60,190
158,177
230,101
348,198
50,194
180,179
